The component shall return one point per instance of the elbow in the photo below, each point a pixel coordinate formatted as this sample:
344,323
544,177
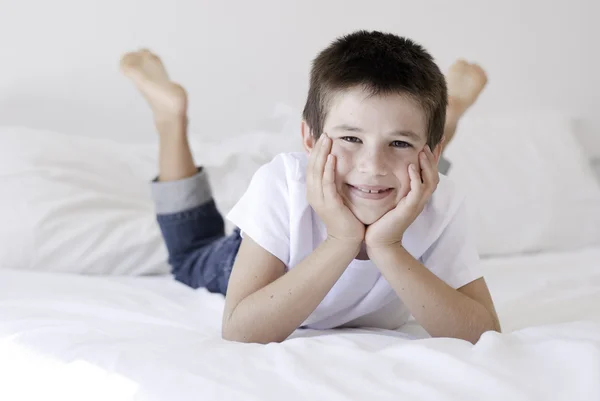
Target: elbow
234,330
491,325
231,333
496,326
243,338
487,321
494,323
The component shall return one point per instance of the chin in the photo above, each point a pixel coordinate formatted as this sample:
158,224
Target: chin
368,216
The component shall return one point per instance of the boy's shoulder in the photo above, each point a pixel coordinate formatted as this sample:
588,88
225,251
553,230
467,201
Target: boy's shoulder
289,166
276,182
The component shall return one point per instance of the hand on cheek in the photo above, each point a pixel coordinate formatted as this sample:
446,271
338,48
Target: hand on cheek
324,197
423,179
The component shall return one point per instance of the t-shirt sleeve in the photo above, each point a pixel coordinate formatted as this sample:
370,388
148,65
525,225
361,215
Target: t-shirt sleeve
453,257
262,213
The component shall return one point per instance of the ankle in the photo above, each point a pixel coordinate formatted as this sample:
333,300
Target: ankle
455,108
169,126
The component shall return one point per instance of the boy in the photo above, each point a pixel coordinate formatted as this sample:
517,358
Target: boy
348,234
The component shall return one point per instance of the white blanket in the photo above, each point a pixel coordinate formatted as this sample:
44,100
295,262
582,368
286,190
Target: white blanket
69,337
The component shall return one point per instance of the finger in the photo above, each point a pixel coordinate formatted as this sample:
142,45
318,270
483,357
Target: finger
330,192
431,156
325,147
324,152
313,153
316,172
321,157
416,185
320,161
435,169
428,171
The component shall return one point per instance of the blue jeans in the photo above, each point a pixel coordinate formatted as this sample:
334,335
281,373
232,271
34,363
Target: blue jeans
200,254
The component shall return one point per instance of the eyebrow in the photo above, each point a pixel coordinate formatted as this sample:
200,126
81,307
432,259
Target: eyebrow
402,133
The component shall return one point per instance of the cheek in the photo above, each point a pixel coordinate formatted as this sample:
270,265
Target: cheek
401,173
344,160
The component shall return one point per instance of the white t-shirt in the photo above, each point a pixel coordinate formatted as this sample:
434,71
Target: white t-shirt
275,213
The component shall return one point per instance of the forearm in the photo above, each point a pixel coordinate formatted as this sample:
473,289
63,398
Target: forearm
439,308
175,158
272,313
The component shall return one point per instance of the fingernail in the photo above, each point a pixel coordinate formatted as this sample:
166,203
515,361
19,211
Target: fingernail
428,148
412,167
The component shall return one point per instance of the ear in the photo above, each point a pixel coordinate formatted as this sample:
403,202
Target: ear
308,141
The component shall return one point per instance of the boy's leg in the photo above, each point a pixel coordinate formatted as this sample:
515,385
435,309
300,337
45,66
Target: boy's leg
199,252
465,82
168,102
194,233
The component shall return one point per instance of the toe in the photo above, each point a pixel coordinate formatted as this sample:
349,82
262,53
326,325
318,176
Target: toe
480,73
128,60
459,64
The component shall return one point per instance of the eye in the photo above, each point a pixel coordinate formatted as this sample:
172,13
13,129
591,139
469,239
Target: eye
401,144
351,139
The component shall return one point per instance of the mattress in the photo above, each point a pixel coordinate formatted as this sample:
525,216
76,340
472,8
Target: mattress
71,337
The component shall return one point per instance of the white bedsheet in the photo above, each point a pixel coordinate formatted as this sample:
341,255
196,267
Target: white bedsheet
96,338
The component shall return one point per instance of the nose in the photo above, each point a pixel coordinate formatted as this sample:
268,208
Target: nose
372,162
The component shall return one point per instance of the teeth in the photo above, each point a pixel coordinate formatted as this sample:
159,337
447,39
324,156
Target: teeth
370,191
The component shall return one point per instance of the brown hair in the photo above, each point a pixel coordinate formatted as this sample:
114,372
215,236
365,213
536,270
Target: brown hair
382,63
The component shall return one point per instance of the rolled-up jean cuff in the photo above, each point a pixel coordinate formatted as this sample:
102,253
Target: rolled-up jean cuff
181,195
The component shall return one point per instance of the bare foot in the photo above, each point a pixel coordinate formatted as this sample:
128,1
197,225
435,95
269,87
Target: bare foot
465,82
167,99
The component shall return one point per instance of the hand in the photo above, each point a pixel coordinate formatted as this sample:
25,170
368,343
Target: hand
324,198
389,229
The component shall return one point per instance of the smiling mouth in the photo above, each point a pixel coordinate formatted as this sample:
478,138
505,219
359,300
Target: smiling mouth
370,192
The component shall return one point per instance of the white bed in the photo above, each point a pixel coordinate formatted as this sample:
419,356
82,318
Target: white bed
70,337
89,312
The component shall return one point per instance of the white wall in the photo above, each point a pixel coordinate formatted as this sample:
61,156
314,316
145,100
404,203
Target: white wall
238,59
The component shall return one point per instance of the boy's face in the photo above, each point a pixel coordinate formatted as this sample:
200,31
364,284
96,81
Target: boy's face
374,139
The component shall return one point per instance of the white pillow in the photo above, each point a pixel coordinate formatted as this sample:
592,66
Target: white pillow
529,186
74,205
80,205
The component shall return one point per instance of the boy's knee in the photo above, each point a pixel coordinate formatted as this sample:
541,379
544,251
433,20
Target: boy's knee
200,268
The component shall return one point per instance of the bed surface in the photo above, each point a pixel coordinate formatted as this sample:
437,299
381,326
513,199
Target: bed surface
151,338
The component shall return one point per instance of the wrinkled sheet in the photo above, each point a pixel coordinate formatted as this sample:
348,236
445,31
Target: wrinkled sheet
73,337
